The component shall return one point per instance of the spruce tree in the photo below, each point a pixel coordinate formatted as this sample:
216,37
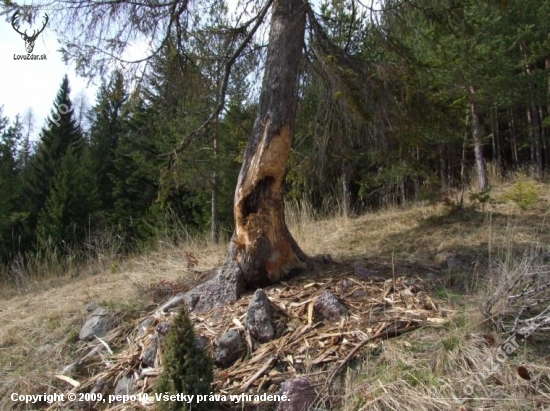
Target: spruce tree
10,185
107,128
67,214
136,162
60,133
187,369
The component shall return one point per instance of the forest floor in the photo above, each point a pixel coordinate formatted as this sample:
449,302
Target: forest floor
457,254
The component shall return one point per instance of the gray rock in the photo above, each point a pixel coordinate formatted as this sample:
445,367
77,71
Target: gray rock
149,355
322,258
226,286
449,261
259,318
346,284
98,323
201,342
455,262
92,307
329,307
229,349
359,294
300,395
144,326
362,272
99,386
163,328
124,386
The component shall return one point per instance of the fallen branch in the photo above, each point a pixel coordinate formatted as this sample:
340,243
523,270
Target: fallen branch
268,365
384,333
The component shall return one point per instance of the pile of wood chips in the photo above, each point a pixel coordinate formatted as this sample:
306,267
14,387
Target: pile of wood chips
377,307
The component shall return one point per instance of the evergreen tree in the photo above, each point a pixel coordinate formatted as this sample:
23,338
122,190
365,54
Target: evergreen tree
107,127
60,133
67,214
135,183
186,367
10,186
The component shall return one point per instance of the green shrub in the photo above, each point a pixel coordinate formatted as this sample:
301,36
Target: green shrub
187,369
483,197
524,193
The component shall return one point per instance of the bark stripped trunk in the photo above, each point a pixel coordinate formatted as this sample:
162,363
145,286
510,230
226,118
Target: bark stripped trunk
483,179
262,246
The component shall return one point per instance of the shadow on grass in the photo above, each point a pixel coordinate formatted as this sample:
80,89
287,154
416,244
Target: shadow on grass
458,248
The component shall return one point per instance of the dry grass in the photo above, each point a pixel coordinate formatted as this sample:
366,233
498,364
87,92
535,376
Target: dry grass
419,371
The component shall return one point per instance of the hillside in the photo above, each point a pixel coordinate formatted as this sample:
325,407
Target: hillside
453,257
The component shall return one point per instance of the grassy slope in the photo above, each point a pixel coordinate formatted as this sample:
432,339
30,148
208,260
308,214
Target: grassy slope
418,371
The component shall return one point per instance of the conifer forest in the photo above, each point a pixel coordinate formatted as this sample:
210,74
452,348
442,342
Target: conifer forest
384,103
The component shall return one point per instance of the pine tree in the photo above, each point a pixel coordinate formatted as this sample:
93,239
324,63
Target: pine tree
186,367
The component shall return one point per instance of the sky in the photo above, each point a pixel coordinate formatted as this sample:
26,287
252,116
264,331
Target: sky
34,84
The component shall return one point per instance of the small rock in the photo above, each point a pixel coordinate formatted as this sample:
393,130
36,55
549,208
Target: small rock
300,395
163,327
99,386
124,386
98,323
201,342
362,272
346,284
359,294
144,326
150,354
92,307
173,302
322,258
259,318
329,307
229,349
455,262
449,261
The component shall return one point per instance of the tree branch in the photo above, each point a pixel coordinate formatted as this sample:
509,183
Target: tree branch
227,72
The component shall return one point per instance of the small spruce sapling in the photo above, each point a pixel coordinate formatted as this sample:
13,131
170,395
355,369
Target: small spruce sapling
187,368
524,193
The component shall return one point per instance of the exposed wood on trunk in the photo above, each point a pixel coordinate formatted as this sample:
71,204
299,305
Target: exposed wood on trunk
262,245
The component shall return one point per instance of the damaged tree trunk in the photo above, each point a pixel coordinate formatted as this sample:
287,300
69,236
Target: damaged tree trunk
262,245
262,250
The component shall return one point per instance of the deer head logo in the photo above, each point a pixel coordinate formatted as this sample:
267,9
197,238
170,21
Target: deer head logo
29,40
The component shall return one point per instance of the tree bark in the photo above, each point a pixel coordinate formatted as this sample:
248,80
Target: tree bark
262,244
214,229
534,130
483,179
346,190
512,127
